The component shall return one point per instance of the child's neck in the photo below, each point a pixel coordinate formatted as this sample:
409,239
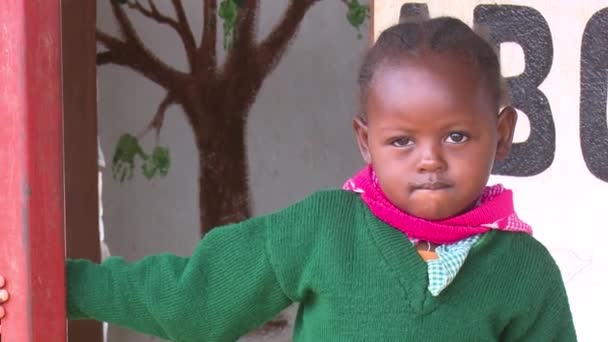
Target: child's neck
426,250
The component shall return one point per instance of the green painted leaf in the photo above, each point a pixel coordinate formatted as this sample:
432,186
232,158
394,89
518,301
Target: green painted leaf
125,153
161,160
357,15
228,12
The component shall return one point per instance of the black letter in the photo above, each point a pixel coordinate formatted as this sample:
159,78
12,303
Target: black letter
414,11
593,125
528,28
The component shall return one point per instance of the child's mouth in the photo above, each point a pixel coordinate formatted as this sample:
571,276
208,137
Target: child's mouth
431,186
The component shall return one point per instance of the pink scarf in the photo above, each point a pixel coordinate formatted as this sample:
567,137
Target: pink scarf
495,211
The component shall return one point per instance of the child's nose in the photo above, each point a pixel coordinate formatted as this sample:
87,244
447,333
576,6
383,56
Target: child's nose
431,158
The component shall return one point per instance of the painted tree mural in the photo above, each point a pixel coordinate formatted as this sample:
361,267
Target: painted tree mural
215,98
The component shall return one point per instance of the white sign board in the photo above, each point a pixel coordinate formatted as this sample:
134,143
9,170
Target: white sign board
556,56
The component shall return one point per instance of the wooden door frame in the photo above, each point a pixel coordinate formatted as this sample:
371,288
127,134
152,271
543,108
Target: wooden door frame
78,25
32,249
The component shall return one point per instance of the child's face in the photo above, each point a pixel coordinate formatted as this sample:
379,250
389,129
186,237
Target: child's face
432,134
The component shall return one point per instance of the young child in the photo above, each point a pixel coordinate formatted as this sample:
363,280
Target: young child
384,258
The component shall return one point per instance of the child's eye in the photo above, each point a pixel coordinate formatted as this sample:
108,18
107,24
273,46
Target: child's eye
402,142
456,138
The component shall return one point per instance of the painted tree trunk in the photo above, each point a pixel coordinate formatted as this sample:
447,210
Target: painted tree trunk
224,194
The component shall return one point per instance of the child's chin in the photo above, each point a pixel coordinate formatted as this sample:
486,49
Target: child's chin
432,212
433,209
432,215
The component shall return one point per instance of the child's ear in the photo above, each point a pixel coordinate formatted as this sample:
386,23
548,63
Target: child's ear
360,128
506,127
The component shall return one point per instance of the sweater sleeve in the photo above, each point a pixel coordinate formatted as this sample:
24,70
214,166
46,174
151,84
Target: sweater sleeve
225,289
547,319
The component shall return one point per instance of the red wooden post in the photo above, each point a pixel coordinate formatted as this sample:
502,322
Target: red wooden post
31,172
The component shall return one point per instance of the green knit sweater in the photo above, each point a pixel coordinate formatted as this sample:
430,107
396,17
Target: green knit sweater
356,279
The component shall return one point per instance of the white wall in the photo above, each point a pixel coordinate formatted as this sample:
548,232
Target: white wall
299,135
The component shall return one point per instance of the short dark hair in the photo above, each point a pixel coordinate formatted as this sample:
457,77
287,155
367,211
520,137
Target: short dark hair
442,34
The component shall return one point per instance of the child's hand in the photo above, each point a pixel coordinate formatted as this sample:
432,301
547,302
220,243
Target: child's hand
3,296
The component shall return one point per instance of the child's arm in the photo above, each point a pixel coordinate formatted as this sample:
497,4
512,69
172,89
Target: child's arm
548,318
226,288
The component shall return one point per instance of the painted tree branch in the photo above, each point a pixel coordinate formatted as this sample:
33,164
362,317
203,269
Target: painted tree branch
207,54
246,20
132,53
153,13
271,49
159,117
113,45
181,26
125,25
242,51
105,57
185,32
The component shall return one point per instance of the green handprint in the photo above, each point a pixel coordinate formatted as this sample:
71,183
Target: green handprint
158,161
123,162
356,15
228,11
